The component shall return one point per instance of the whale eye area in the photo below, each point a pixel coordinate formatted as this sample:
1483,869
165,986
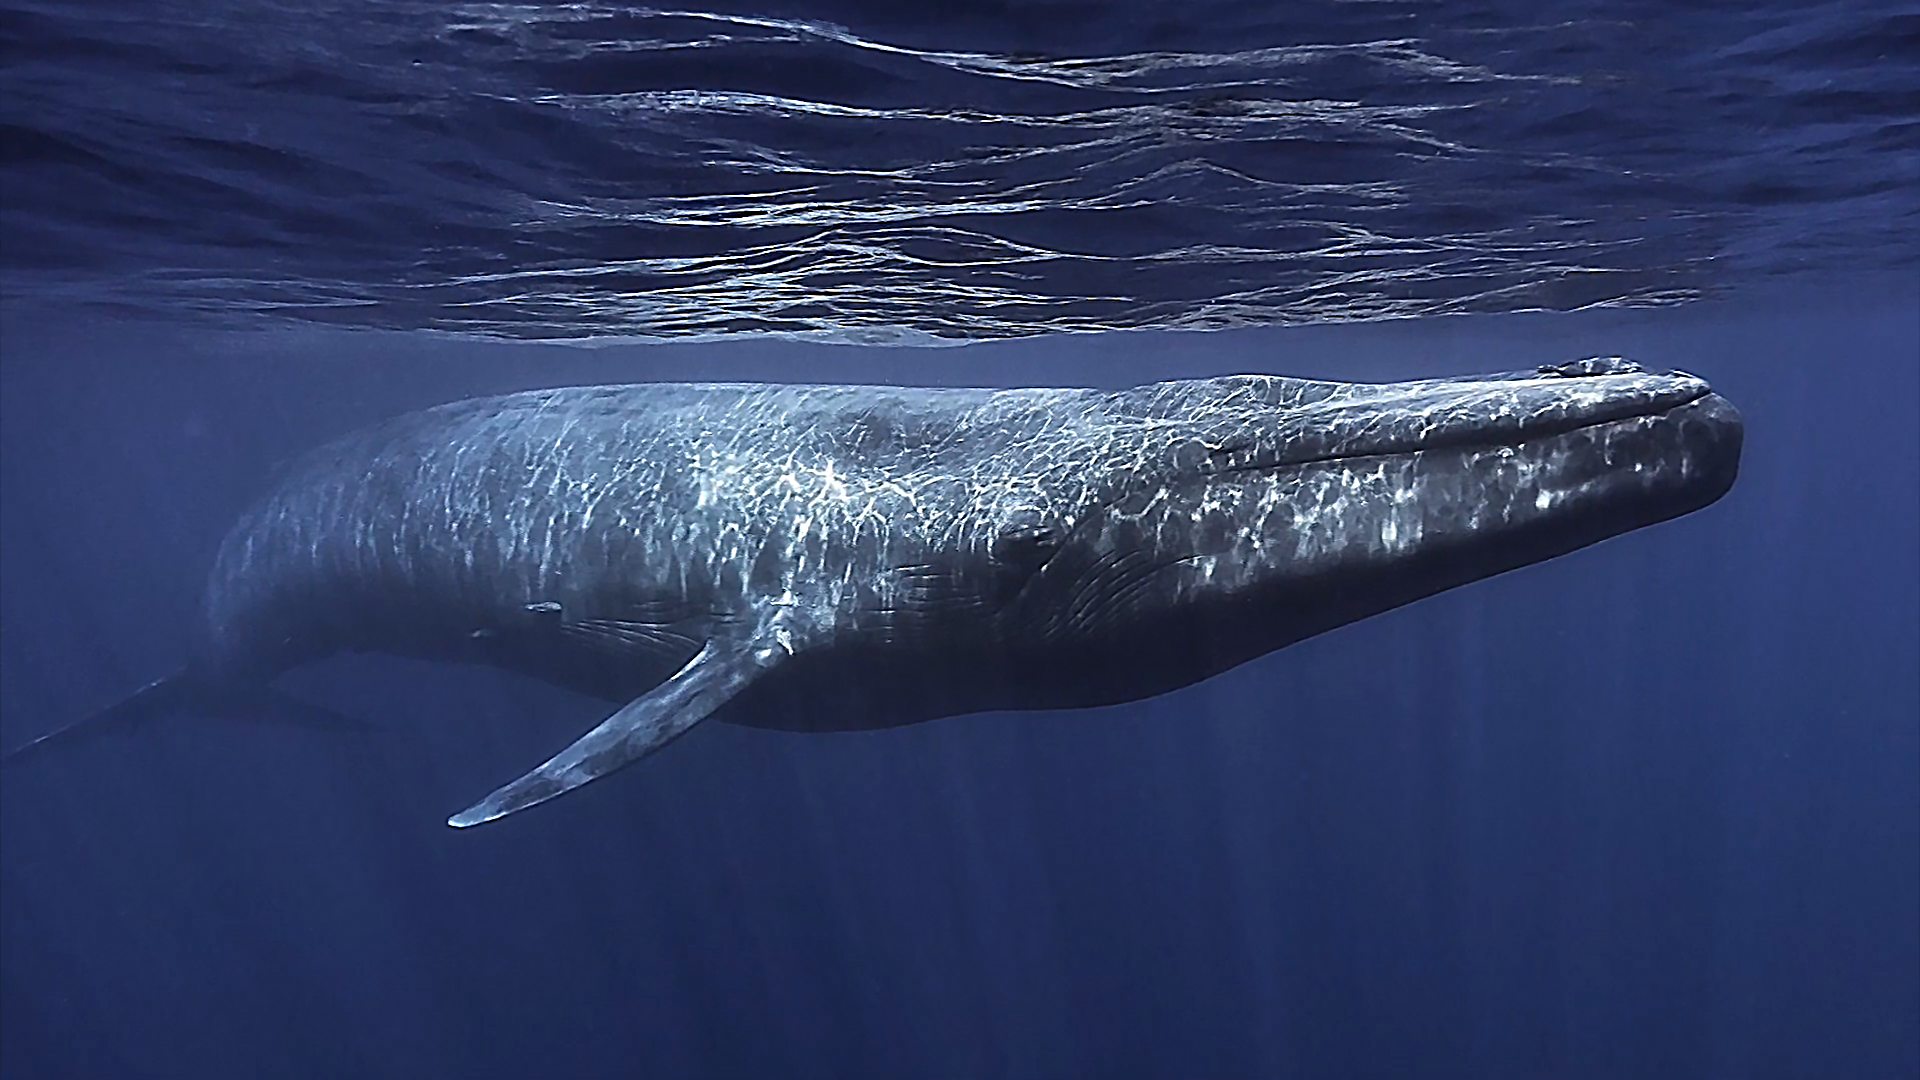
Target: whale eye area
1026,544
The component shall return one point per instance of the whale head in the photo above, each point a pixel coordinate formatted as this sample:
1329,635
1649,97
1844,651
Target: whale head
1190,526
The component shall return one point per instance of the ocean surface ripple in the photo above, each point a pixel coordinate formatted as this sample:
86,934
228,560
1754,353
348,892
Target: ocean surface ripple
937,173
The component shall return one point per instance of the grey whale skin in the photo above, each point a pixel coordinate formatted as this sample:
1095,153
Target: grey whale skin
838,557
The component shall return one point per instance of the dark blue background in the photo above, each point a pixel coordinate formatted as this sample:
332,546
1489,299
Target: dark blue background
1649,810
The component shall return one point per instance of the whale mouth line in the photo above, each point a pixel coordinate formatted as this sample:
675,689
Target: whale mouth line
1466,440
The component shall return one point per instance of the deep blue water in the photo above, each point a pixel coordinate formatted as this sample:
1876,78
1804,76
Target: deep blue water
1648,810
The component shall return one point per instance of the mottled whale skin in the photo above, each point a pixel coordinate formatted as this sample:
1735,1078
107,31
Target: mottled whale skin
821,558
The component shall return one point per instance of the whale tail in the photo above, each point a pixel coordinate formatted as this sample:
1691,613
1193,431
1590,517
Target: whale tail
187,691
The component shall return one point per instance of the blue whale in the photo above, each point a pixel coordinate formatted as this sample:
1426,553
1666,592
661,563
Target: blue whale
820,558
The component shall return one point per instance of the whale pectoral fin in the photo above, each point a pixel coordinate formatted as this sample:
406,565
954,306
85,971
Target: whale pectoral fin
645,724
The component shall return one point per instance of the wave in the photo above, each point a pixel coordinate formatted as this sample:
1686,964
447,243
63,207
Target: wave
586,170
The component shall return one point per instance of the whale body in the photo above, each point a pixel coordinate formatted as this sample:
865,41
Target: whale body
821,558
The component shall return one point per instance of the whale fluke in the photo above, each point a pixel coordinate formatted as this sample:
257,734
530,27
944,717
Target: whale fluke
188,691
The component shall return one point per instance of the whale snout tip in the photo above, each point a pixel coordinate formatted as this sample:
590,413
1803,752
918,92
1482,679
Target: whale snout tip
1721,414
1704,456
1713,423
